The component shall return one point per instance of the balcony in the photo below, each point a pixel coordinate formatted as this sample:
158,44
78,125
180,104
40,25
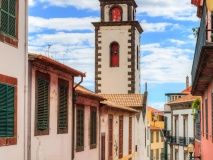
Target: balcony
164,156
186,140
180,140
203,58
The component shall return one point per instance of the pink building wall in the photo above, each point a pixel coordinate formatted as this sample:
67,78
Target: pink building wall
207,139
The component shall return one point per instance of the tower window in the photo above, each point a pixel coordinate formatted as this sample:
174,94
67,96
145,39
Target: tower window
114,54
115,14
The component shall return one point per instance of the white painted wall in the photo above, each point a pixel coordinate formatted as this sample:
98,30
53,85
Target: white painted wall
13,63
104,130
87,153
109,75
53,146
189,128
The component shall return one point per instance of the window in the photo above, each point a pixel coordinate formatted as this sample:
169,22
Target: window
207,128
152,137
157,154
202,119
120,136
157,136
110,137
114,54
137,58
116,14
8,110
42,104
80,128
103,147
8,21
212,113
151,155
130,135
93,126
63,106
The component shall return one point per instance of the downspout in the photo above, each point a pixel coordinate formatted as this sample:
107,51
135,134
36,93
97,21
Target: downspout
25,82
73,115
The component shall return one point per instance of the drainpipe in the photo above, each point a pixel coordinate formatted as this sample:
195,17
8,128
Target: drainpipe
25,82
73,116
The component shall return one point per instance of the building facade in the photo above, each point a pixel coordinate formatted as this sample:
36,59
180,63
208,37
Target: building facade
13,78
50,109
156,126
182,127
117,48
202,83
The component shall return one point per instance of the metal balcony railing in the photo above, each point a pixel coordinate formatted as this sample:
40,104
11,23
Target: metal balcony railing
180,140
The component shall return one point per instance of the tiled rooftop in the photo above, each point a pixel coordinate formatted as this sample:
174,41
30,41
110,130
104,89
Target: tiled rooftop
128,100
117,106
156,111
85,91
187,98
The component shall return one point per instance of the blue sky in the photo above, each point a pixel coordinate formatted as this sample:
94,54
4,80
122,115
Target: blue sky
167,43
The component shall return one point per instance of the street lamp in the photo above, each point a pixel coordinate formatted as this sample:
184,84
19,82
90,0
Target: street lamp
191,149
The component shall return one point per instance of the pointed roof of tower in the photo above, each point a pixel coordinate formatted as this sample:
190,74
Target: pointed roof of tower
119,2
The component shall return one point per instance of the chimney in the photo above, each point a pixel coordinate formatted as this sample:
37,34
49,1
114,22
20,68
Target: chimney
187,81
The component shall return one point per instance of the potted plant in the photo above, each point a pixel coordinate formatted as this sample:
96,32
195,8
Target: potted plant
195,106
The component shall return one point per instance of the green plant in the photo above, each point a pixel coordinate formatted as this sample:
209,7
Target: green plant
195,31
195,105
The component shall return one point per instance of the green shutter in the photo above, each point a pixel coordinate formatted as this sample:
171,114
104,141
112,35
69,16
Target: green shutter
42,108
62,110
80,128
93,127
8,17
6,110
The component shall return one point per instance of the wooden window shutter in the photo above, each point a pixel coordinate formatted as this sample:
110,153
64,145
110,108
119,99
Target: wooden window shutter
110,145
8,17
130,135
6,110
206,105
80,129
93,128
63,106
120,136
103,147
42,116
116,14
212,113
114,54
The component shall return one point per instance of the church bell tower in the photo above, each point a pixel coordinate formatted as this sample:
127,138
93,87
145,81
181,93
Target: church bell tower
117,48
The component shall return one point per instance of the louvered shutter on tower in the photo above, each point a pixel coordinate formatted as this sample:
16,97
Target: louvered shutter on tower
6,110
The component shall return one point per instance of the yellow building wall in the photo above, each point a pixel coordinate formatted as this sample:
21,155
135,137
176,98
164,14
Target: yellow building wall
155,120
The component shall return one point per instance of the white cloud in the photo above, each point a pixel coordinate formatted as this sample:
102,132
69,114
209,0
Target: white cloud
80,4
156,27
164,64
181,10
37,24
31,3
177,42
